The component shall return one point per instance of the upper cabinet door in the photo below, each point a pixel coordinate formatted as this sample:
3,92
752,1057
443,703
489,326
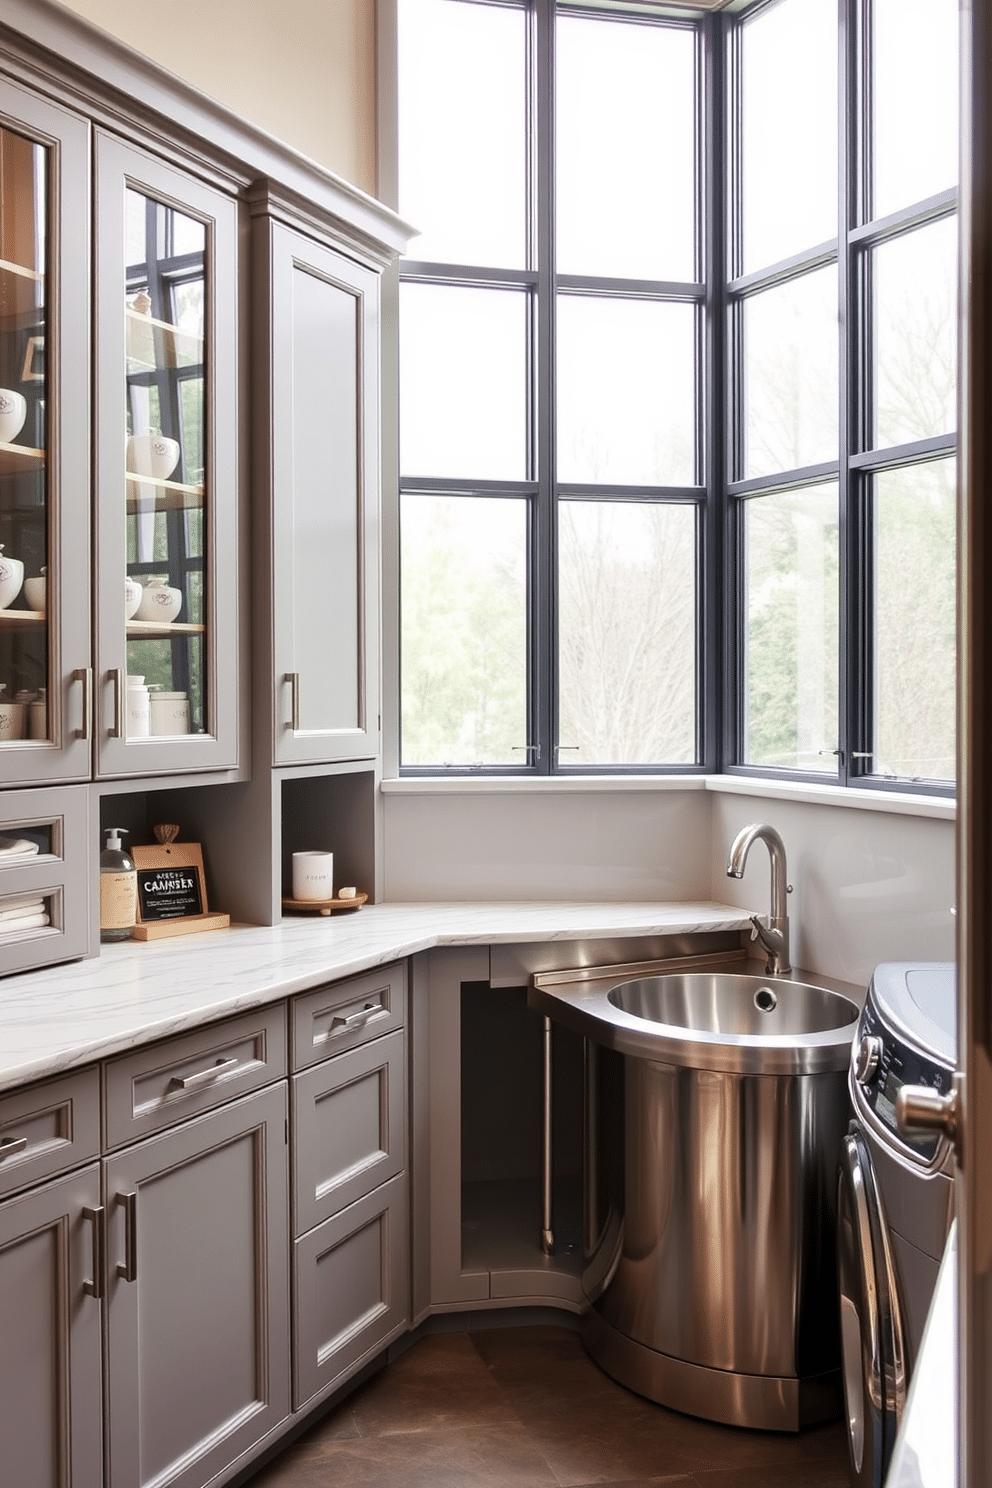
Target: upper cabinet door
167,559
319,418
45,677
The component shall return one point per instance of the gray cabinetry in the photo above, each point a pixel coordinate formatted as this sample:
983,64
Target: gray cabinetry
350,1255
317,424
197,1294
44,440
51,1281
167,465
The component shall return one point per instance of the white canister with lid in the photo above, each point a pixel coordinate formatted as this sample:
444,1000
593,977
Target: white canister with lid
10,717
138,711
38,711
22,700
169,712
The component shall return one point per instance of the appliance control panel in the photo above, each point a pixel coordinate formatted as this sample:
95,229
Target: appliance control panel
883,1063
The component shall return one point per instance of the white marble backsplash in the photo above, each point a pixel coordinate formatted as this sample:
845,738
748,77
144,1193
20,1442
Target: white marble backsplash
66,1016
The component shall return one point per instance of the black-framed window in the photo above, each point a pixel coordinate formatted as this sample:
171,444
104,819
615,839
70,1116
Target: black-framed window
677,388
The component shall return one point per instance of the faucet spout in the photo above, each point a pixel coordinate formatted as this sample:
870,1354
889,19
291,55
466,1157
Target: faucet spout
774,937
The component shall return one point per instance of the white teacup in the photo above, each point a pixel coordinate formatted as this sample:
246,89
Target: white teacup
132,597
313,875
13,412
152,454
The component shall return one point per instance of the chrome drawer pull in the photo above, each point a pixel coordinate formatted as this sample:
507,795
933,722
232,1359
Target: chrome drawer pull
128,1268
94,1288
204,1076
10,1145
345,1025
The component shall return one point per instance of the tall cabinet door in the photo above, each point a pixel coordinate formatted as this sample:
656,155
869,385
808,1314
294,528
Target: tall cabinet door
321,405
198,1294
51,1398
167,468
44,441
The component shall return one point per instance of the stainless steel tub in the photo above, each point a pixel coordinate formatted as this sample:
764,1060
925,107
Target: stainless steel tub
716,1106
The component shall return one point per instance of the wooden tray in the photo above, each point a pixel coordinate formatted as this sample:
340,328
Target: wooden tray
323,906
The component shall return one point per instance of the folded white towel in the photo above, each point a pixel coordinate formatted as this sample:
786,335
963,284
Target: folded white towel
14,847
13,909
26,922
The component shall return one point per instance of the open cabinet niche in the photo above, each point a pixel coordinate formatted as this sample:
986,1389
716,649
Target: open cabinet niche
502,1106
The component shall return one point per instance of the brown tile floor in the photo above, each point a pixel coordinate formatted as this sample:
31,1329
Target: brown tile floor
526,1408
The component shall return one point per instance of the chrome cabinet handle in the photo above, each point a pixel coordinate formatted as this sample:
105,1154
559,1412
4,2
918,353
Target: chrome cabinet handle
293,678
128,1268
355,1020
10,1145
94,1288
203,1076
85,676
116,730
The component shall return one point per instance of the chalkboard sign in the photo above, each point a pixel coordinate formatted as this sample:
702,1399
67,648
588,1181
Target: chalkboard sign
168,893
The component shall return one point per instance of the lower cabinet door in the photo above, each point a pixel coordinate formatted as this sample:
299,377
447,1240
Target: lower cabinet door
51,1377
351,1290
198,1294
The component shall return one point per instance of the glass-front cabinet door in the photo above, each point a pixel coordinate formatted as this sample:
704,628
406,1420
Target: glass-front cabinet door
167,528
45,677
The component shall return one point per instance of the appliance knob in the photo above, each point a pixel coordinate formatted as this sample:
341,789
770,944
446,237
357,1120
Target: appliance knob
868,1060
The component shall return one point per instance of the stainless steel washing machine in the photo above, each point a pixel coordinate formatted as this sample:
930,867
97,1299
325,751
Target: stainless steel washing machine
895,1201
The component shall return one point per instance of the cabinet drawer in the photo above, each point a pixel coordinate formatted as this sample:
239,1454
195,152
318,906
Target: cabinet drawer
49,887
350,1127
347,1013
165,1083
47,1128
351,1290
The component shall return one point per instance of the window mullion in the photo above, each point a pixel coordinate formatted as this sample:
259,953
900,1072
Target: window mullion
543,575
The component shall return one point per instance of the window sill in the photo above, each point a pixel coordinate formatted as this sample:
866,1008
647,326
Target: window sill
901,803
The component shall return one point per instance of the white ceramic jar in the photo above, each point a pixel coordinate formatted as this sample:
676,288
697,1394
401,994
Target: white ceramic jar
38,715
132,597
11,578
35,591
11,714
169,712
138,711
152,454
159,603
13,412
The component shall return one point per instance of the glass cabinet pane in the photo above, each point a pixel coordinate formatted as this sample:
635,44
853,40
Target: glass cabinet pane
164,595
25,516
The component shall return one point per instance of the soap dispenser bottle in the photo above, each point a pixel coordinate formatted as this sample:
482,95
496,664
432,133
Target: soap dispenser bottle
118,888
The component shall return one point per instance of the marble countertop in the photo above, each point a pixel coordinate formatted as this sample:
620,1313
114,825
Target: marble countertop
133,992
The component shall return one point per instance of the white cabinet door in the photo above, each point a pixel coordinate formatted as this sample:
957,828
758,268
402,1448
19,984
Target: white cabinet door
51,1396
198,1294
319,456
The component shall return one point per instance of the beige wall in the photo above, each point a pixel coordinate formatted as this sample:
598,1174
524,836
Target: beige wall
302,69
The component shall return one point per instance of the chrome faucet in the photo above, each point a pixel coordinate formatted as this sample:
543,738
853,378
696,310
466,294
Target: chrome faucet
774,936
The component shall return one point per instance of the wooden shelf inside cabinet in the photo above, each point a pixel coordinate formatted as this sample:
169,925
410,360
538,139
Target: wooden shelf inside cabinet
17,618
155,343
19,292
166,495
15,459
151,630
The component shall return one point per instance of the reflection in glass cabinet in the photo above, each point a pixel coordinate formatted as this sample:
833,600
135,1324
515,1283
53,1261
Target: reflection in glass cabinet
24,494
164,591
